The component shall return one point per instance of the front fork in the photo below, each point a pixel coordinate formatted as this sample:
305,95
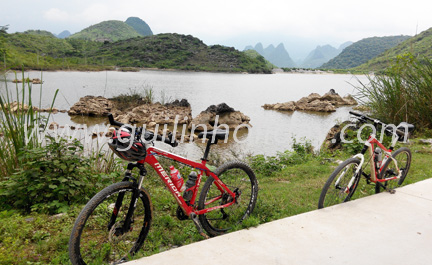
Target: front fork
349,187
132,205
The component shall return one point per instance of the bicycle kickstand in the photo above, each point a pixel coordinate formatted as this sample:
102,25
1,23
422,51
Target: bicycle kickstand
391,191
197,224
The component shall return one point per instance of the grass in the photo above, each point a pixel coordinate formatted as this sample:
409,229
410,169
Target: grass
294,189
16,126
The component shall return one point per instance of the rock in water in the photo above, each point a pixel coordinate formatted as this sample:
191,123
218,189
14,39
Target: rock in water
92,106
152,114
314,102
224,115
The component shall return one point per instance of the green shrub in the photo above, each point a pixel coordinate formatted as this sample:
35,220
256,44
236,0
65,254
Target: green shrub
268,165
403,93
51,178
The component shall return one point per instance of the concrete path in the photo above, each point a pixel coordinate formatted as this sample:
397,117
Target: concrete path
379,229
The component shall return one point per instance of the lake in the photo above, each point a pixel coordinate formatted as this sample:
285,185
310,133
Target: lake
272,131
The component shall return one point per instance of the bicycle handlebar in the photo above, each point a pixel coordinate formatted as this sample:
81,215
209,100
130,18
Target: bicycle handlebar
364,117
113,122
168,140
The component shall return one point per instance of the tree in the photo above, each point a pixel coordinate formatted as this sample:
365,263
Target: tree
3,49
3,29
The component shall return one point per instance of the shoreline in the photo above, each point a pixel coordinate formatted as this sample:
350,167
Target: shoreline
132,70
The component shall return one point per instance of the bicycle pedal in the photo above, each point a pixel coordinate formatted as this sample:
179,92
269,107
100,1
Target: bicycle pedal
392,191
195,220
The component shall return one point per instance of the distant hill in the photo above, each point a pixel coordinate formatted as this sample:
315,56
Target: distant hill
419,45
39,32
179,51
362,51
344,45
111,30
174,51
64,34
323,54
275,55
139,25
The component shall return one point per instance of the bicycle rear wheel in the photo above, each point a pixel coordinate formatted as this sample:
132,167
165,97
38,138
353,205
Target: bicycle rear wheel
389,169
94,241
341,184
241,180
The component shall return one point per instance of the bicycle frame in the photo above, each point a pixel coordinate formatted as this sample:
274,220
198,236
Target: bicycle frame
153,152
375,170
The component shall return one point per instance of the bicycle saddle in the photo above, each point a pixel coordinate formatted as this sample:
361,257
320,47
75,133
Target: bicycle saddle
404,125
218,134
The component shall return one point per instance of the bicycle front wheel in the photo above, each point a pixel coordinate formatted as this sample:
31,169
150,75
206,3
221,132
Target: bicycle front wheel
341,184
97,238
241,180
402,160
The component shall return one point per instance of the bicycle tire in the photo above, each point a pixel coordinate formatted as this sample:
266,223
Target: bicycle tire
239,178
334,193
403,157
91,242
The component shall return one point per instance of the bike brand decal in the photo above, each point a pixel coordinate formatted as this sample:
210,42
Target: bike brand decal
161,171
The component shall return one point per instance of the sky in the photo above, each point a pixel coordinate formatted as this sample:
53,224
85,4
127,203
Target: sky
300,25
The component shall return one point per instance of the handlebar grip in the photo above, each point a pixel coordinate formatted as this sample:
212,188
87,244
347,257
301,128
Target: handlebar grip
113,122
356,114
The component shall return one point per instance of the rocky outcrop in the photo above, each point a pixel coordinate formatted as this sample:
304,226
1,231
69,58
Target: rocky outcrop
333,140
220,114
152,114
315,102
178,112
287,106
15,107
92,106
28,80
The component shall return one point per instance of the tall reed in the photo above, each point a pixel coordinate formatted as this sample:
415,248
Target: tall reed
403,93
18,120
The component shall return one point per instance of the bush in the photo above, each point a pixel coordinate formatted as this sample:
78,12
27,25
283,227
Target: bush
51,178
267,165
403,93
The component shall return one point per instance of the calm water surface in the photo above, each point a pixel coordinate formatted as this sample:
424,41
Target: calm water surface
272,130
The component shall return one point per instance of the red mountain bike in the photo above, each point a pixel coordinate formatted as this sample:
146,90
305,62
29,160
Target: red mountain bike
113,225
388,168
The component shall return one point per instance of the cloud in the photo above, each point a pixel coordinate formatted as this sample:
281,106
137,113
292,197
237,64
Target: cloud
55,14
78,19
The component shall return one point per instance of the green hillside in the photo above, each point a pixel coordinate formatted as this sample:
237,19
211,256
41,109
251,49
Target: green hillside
173,51
362,51
39,32
254,54
33,51
177,51
419,45
111,30
139,25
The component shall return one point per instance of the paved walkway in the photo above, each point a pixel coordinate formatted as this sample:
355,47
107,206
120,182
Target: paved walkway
379,229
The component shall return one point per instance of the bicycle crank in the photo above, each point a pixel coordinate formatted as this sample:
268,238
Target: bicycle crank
197,224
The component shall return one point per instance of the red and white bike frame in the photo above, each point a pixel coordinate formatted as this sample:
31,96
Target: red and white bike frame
375,170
